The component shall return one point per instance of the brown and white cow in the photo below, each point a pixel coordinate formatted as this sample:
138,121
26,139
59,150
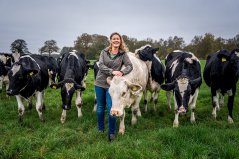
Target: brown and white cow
126,91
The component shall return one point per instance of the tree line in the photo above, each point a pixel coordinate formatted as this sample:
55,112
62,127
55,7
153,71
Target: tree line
91,45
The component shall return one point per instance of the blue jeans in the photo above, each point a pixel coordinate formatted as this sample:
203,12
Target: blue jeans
103,98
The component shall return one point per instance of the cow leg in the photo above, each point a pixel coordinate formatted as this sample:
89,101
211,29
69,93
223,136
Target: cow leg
145,101
135,110
122,126
20,107
155,99
176,112
230,104
63,116
78,103
30,103
39,104
95,104
175,122
215,102
221,100
168,95
193,106
152,97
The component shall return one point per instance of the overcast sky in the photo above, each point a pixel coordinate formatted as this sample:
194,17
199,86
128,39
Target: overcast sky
37,21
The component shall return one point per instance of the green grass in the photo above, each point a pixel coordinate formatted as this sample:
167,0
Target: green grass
152,137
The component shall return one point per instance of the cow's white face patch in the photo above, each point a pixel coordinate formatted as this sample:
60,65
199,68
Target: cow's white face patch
15,69
69,86
183,85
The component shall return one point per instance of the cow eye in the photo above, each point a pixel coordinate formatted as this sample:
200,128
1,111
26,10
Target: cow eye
123,94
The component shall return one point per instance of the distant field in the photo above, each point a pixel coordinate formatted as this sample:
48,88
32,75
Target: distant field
152,137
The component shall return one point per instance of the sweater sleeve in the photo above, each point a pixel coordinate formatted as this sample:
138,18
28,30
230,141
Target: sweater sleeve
128,65
102,67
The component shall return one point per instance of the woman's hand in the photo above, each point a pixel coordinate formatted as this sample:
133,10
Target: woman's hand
117,73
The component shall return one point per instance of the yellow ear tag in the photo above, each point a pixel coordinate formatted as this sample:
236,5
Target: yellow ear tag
31,73
54,87
134,88
224,59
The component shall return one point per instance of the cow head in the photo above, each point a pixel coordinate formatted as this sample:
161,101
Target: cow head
19,76
123,93
68,87
182,88
146,53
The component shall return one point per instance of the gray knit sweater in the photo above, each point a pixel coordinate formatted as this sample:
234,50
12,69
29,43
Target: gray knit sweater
108,65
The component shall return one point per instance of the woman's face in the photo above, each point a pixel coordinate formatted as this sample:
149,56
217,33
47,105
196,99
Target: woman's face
115,41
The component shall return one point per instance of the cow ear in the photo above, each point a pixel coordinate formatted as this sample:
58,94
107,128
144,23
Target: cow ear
55,86
196,82
109,79
77,86
135,89
32,72
168,86
224,55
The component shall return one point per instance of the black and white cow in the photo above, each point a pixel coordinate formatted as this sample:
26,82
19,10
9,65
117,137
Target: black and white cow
5,65
27,77
183,77
221,73
156,73
73,70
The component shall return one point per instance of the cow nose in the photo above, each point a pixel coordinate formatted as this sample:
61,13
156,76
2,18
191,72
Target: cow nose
114,113
10,92
182,110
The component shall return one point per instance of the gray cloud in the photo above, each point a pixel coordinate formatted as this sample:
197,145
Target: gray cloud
63,21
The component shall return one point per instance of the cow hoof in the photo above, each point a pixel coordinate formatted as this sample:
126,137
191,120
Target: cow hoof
42,119
121,131
214,116
145,110
80,115
193,121
63,120
230,120
133,121
138,113
175,125
20,119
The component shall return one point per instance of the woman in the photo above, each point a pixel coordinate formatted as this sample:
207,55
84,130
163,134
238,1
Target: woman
110,62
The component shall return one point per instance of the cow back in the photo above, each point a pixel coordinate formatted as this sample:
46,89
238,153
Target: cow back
73,66
139,74
178,63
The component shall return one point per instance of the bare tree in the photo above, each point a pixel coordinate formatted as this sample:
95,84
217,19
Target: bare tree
49,47
19,46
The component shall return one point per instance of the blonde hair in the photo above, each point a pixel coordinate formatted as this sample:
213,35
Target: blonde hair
122,46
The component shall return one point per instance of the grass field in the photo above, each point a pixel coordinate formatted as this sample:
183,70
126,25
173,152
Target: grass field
152,137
